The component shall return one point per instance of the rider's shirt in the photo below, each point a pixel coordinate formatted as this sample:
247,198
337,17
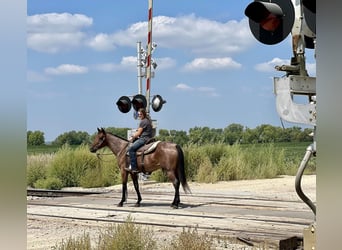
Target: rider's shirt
146,125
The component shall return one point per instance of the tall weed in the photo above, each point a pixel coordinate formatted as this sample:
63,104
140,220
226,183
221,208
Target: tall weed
206,172
37,166
79,243
127,236
191,240
232,165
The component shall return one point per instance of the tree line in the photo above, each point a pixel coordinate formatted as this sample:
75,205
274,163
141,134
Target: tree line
233,133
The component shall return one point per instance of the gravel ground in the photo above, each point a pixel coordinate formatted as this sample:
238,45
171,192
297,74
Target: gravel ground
45,233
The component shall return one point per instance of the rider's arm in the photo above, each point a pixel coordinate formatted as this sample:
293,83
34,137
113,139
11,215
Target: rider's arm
138,132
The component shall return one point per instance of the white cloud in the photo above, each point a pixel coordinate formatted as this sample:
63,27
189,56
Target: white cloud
182,86
209,91
54,42
54,32
101,42
57,22
191,33
269,66
165,63
66,69
211,64
130,63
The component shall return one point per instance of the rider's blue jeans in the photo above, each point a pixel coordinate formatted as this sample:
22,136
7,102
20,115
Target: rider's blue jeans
132,151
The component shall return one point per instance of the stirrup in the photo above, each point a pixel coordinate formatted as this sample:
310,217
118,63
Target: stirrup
129,169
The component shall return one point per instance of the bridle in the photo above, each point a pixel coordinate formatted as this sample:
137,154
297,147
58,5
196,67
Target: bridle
99,144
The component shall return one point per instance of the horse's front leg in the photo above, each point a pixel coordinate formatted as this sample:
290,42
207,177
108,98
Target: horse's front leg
124,188
136,187
124,194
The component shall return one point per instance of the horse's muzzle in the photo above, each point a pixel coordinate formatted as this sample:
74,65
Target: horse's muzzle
93,149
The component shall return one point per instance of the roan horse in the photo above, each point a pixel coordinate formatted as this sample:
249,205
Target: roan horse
166,156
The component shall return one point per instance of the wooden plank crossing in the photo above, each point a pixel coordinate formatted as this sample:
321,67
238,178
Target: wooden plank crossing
221,210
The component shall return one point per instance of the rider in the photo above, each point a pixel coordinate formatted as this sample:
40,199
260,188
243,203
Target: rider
140,137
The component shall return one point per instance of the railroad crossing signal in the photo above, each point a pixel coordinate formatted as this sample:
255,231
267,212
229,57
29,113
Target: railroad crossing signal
270,21
309,9
157,103
309,13
124,104
138,101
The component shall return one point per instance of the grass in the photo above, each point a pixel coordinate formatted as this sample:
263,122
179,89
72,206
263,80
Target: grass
75,166
45,149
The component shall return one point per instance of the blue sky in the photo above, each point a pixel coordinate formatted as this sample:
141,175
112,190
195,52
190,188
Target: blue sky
81,57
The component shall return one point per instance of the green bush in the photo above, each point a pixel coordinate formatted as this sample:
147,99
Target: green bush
73,166
52,183
191,240
101,175
127,236
69,165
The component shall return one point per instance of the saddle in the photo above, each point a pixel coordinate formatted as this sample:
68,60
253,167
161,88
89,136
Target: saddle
146,149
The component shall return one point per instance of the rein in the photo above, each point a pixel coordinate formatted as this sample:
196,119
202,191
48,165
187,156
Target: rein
98,155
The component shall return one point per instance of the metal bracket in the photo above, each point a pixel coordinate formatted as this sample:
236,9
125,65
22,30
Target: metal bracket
288,86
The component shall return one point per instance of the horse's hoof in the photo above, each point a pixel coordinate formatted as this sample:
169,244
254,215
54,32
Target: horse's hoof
120,204
174,206
137,205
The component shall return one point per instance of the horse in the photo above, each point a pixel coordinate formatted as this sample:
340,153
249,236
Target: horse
153,156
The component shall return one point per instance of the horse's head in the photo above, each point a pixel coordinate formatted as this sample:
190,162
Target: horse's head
99,140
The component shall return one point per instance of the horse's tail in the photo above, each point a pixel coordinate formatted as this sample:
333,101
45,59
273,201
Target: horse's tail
181,170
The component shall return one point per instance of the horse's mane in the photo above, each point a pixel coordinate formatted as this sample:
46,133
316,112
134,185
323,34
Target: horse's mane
117,136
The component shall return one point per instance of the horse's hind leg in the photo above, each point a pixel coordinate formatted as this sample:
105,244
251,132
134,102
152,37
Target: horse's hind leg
176,200
136,187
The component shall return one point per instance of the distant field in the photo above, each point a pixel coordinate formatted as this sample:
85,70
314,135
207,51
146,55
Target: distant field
45,149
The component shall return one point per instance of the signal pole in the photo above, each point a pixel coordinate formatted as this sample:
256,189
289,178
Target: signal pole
144,61
139,66
149,54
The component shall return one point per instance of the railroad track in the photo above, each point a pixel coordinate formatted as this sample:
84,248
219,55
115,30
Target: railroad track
58,193
250,219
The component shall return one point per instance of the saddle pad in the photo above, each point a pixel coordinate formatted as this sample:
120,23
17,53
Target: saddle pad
151,148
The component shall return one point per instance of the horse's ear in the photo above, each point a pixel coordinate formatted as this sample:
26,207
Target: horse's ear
98,130
102,130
